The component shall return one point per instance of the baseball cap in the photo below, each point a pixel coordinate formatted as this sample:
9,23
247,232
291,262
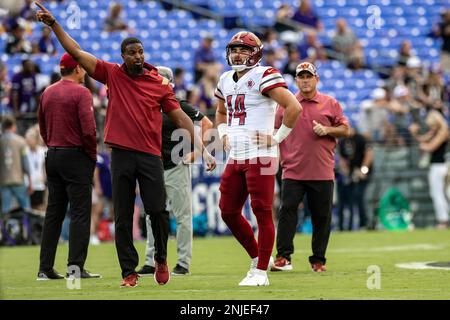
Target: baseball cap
413,62
306,66
165,72
378,93
67,62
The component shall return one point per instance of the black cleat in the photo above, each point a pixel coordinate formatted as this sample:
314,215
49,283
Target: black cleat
49,275
146,271
180,271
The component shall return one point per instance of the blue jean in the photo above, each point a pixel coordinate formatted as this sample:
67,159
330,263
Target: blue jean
18,192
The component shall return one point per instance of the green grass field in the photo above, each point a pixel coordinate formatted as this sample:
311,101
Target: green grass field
219,263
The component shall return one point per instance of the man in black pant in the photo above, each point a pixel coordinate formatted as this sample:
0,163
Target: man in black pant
137,95
307,159
66,123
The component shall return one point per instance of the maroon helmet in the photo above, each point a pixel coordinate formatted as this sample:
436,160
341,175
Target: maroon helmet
249,40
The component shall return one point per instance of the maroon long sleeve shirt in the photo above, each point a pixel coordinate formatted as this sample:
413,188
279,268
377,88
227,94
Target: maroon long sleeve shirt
66,117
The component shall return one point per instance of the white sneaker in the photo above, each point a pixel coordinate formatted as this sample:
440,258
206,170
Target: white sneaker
255,278
254,263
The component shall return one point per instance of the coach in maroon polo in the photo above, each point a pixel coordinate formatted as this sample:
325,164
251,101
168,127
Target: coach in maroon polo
137,95
307,161
67,126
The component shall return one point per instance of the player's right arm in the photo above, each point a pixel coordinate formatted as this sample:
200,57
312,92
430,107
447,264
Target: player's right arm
221,121
85,59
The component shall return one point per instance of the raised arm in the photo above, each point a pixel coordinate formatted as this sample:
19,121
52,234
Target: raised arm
85,59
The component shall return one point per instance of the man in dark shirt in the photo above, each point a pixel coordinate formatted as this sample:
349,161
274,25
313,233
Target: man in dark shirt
177,179
137,94
443,31
23,92
16,43
67,126
204,58
355,160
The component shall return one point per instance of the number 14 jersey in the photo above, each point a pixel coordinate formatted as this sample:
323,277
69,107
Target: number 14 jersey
249,109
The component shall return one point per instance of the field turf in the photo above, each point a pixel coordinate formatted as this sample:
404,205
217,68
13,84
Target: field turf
219,263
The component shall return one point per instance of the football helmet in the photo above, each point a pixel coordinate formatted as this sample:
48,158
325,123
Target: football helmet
249,40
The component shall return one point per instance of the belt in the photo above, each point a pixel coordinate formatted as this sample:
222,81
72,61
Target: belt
65,148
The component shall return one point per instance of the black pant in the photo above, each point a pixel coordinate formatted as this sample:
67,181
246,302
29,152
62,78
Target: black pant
320,199
127,167
350,195
69,174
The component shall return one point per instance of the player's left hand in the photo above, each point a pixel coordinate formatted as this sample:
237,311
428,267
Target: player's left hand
209,160
319,129
263,140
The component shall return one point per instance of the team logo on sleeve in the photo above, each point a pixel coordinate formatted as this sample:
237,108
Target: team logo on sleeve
250,83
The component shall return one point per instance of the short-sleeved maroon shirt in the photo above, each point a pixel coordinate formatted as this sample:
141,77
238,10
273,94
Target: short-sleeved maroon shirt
304,154
133,117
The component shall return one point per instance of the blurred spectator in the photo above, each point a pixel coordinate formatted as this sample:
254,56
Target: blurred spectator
434,142
374,116
270,59
5,88
271,42
36,159
27,12
205,59
443,31
355,163
404,53
24,91
102,193
397,77
13,166
46,44
283,19
114,21
179,87
347,46
403,108
414,78
434,90
311,49
293,60
288,29
207,85
305,15
16,43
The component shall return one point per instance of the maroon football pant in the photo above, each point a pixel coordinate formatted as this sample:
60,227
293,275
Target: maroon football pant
254,177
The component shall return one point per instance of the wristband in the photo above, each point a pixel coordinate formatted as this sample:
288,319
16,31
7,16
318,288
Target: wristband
222,128
282,133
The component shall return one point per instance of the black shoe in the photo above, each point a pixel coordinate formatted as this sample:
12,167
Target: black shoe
84,274
49,275
180,271
146,271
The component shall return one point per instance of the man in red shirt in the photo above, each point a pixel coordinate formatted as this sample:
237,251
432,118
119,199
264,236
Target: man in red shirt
67,126
307,160
137,94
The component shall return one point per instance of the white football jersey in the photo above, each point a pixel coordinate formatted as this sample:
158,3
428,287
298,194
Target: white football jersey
249,109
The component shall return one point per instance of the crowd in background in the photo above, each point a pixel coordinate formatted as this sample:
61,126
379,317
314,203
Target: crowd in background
395,115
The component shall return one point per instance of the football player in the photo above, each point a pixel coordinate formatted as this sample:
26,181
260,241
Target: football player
247,99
